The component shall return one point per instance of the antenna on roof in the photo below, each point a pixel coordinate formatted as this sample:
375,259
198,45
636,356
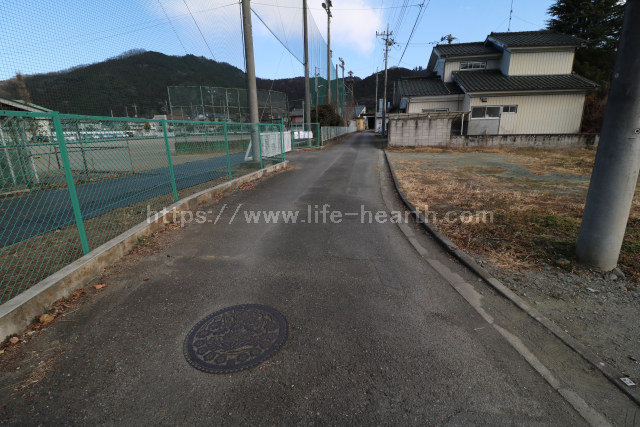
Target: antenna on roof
449,38
510,16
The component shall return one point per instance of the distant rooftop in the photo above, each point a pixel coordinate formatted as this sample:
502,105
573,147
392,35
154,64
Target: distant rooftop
495,81
17,104
535,39
465,49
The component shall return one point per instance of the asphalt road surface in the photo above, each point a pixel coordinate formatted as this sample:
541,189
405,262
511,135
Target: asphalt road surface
376,335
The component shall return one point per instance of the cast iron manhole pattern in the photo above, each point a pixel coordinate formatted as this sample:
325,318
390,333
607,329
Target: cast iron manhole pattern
235,338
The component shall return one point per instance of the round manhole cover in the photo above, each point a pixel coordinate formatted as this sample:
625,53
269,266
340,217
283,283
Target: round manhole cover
235,338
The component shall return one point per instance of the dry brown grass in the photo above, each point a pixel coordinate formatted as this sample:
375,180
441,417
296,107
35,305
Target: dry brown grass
533,221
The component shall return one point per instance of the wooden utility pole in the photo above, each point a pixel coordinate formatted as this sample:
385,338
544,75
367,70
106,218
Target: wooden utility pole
386,36
617,164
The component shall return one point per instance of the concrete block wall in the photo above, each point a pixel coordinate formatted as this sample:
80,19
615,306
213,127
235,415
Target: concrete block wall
419,131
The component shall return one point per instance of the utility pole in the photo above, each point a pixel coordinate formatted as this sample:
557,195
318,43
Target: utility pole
377,102
317,119
337,90
386,36
252,89
617,164
307,88
327,7
353,97
341,100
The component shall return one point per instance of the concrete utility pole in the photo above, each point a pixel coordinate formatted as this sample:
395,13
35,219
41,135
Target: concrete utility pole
615,172
252,89
377,102
340,104
387,42
337,90
307,87
327,7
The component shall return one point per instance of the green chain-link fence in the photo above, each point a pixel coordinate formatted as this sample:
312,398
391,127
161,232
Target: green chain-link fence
330,132
305,135
69,183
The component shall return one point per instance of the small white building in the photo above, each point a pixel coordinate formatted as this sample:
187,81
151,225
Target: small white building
512,83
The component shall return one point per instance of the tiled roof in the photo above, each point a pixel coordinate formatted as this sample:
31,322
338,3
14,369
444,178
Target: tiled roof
465,49
421,86
495,81
536,38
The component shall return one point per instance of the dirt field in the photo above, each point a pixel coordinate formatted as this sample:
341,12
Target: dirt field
518,213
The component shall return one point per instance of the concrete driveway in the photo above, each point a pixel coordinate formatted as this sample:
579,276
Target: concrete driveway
376,334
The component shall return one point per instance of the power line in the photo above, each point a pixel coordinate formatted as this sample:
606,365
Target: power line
338,9
199,30
172,27
422,10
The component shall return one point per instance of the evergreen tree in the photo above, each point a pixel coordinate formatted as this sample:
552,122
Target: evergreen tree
598,23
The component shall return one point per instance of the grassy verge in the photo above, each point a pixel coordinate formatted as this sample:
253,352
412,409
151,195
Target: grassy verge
536,198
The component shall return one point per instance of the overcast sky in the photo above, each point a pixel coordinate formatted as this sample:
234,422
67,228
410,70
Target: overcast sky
50,35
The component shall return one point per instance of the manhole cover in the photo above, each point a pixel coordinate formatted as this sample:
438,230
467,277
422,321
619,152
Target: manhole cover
235,338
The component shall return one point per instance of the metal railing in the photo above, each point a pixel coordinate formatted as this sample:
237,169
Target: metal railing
70,183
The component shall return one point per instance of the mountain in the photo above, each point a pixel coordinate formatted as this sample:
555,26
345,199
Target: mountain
138,80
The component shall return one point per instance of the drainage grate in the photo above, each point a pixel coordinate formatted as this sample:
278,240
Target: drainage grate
235,338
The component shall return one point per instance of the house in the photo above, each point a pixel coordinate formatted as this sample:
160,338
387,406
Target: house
19,105
512,83
359,111
296,115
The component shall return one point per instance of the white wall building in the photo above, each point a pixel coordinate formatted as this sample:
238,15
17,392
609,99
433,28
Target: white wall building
512,83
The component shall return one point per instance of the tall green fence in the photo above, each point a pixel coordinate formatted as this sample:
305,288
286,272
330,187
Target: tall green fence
70,183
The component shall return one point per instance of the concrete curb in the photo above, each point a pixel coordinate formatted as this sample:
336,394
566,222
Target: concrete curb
17,313
611,374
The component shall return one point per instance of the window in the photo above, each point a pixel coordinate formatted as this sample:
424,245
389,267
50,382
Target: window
486,112
477,65
478,112
510,109
493,112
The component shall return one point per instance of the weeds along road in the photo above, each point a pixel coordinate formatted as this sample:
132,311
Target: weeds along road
376,334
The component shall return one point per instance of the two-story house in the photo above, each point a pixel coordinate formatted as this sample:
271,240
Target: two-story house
512,83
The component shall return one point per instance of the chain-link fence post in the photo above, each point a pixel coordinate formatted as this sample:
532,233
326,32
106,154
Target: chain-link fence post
171,173
282,139
226,142
68,174
260,146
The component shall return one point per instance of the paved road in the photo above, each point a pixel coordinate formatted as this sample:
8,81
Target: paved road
377,336
40,212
